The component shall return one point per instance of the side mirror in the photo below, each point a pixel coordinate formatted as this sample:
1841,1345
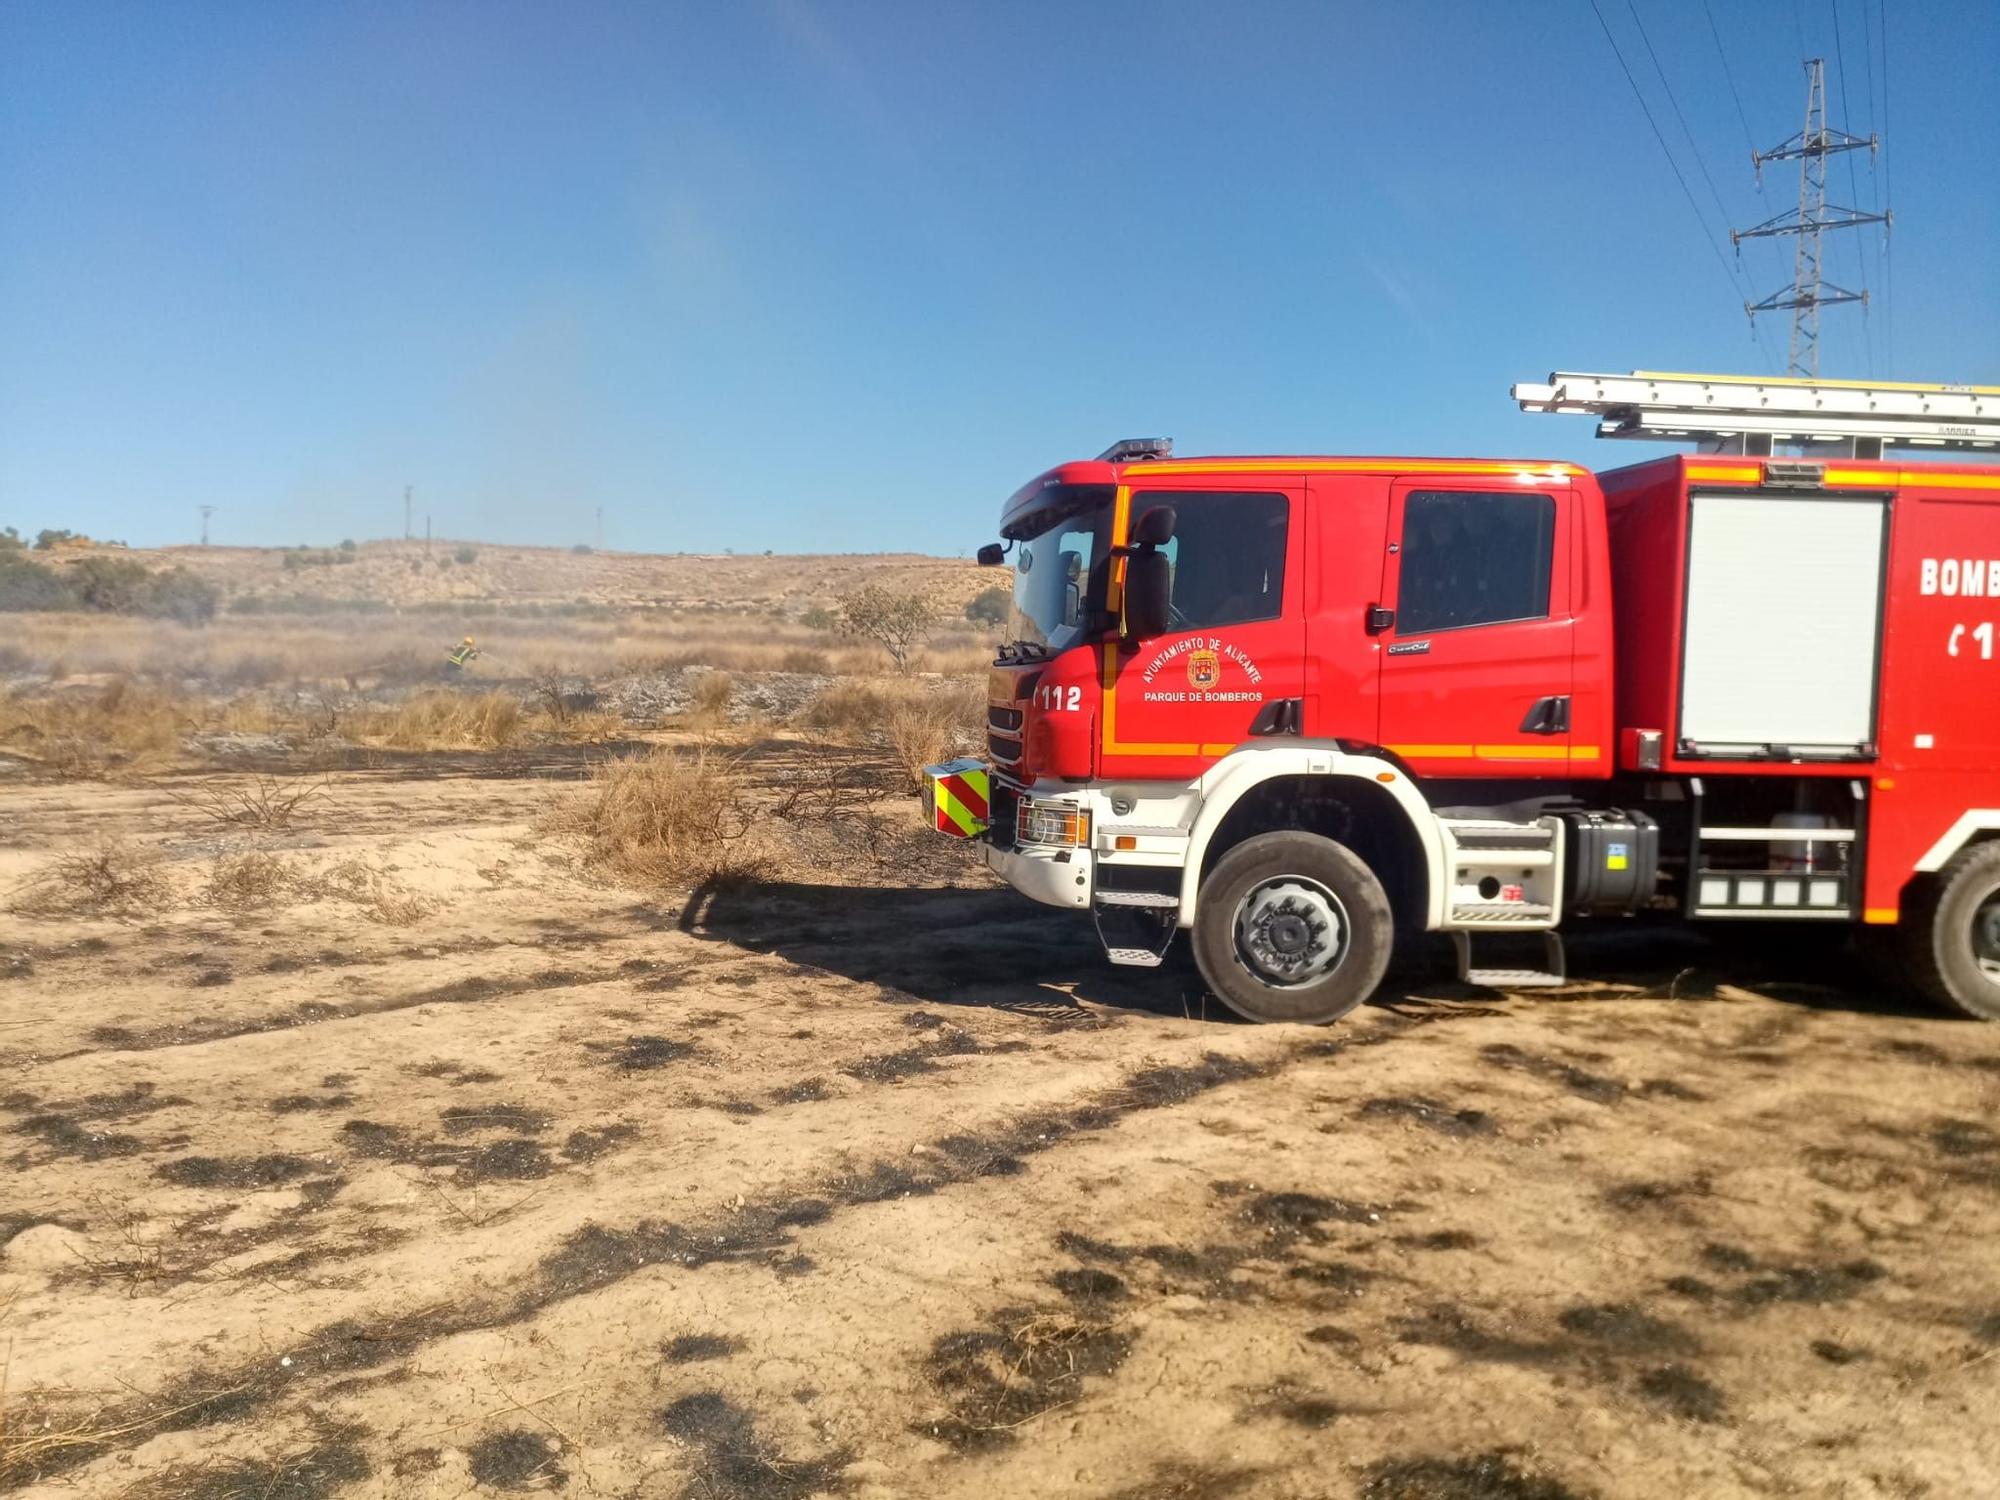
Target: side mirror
992,555
1155,528
1149,587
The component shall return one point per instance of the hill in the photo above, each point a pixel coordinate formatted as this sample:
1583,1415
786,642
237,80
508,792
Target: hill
414,574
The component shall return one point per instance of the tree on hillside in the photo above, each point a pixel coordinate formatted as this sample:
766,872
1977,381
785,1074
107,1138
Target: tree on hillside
989,607
895,621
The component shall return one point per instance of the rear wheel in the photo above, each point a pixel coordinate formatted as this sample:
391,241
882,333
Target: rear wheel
1292,927
1950,935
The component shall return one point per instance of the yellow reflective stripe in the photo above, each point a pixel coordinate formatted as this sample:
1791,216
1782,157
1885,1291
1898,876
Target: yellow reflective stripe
956,811
1952,481
1874,479
1797,383
1400,469
1879,916
1497,752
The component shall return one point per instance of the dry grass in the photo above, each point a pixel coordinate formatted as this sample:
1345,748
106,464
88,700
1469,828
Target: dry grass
936,728
89,733
293,652
441,720
257,880
249,882
664,817
712,691
111,878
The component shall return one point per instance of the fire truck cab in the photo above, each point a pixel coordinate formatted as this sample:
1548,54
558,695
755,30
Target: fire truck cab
1298,706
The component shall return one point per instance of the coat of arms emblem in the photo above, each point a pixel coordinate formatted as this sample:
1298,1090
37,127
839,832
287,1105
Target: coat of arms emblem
1204,669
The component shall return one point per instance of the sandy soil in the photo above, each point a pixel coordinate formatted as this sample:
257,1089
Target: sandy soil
542,1185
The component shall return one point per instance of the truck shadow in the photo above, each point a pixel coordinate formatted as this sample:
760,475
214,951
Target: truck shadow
990,948
984,948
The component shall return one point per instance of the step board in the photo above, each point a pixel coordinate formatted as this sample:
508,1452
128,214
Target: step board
1554,970
1137,958
1513,979
1158,900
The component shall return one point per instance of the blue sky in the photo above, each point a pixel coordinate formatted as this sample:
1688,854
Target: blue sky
819,276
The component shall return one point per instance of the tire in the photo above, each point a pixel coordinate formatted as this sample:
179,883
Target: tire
1256,904
1950,935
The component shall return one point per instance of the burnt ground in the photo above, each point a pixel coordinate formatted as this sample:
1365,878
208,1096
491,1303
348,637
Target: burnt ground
810,1187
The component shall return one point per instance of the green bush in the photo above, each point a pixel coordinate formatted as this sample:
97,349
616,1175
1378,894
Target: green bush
26,584
467,555
990,607
105,585
347,544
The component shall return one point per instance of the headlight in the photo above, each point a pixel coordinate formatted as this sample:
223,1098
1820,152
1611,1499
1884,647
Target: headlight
1052,823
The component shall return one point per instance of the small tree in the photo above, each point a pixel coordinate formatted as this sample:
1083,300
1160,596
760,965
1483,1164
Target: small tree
895,621
990,607
819,617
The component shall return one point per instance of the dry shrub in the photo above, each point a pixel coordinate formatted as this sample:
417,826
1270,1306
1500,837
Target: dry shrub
712,691
442,720
256,879
925,733
806,661
920,723
664,817
111,878
265,803
381,897
249,882
121,726
590,727
851,708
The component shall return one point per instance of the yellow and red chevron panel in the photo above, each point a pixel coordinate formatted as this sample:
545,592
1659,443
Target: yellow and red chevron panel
959,797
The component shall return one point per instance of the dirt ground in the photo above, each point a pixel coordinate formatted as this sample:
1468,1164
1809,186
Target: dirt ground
514,1182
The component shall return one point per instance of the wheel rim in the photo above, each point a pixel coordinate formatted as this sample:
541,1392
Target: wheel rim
1290,931
1986,936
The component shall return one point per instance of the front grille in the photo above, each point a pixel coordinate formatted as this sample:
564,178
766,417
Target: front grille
1004,748
1008,719
1002,803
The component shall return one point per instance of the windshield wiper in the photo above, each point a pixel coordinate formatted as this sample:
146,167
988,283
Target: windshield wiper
1024,651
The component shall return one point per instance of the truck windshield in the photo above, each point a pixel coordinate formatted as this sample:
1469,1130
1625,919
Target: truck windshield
1059,575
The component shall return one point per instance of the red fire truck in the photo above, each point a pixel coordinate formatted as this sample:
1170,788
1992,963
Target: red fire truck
1299,706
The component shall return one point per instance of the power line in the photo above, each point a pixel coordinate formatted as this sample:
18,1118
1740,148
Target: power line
1722,56
1888,203
1676,105
1854,193
1700,219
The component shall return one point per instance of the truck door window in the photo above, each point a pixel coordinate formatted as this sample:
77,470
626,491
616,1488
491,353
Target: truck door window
1228,555
1474,557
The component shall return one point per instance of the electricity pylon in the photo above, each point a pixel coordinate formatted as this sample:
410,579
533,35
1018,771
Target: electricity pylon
1809,292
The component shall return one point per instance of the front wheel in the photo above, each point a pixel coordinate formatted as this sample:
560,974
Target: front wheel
1951,935
1292,927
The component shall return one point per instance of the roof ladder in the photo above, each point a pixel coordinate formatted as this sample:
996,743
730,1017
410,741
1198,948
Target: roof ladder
1751,414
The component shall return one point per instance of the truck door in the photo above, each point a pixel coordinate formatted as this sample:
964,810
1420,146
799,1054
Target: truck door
1476,628
1234,648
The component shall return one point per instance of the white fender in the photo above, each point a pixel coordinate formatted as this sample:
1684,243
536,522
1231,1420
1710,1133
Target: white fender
1226,782
1978,820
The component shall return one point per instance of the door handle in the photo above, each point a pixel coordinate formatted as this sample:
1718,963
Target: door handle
1548,716
1380,619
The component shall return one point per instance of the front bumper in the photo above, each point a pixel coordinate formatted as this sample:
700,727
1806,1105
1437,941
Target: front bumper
1054,877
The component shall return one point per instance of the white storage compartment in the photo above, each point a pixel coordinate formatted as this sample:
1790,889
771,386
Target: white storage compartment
1782,643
